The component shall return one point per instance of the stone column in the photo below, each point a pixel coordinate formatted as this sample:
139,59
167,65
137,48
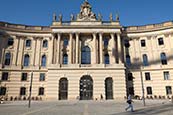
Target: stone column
21,50
119,48
77,48
50,48
101,47
54,49
113,60
95,49
58,48
71,49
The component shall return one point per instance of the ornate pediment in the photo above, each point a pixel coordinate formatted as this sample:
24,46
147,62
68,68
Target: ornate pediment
86,13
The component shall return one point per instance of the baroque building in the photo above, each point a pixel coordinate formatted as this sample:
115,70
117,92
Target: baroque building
85,58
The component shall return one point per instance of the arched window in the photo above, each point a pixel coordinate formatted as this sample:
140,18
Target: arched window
63,89
86,55
10,41
7,58
28,43
65,59
163,58
106,58
26,60
43,61
128,60
45,44
109,88
145,60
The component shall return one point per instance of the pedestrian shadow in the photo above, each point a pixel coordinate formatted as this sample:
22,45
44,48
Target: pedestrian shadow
161,110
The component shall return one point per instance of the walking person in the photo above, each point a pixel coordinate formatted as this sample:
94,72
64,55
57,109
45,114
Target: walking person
130,105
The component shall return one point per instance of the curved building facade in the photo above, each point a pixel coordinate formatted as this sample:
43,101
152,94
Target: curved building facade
85,58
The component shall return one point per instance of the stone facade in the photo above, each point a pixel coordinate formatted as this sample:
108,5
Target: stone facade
85,58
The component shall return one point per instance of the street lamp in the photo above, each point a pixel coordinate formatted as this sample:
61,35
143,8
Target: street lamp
30,90
142,84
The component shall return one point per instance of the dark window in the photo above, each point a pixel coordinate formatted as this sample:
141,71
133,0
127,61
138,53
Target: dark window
22,91
43,61
63,89
10,41
4,76
28,43
42,76
143,43
65,59
3,90
145,60
109,88
66,42
166,75
149,90
130,76
7,58
86,55
168,90
106,41
45,44
147,76
24,77
41,91
160,41
128,60
126,43
163,58
26,60
106,58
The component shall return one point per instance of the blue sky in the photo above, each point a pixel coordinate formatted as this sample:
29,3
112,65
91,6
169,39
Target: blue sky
132,12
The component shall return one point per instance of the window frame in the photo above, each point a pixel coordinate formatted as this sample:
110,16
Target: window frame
28,43
149,90
42,78
5,78
160,41
168,91
166,75
25,76
143,43
41,91
147,76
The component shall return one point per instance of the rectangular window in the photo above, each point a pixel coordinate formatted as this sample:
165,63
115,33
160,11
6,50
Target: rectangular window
65,42
22,91
24,77
166,75
143,43
160,41
3,90
41,91
4,76
149,90
168,90
147,76
42,76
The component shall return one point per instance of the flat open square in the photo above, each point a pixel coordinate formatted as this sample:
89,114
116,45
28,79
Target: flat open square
156,107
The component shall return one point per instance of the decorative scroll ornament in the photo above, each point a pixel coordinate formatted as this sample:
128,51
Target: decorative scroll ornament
85,13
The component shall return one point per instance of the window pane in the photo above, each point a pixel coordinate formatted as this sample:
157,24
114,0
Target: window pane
41,91
65,42
65,59
163,58
7,58
43,61
142,43
45,43
128,60
166,75
10,41
24,77
106,59
149,90
160,41
4,76
86,55
168,90
42,76
3,90
147,76
145,60
26,60
22,91
28,43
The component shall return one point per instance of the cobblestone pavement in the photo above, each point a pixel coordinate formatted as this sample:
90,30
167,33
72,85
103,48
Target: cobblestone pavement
153,107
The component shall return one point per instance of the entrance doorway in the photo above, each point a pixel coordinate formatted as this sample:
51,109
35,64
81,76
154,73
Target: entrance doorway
86,88
109,88
63,89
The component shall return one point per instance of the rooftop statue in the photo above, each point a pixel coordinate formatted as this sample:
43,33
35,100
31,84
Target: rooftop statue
85,13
